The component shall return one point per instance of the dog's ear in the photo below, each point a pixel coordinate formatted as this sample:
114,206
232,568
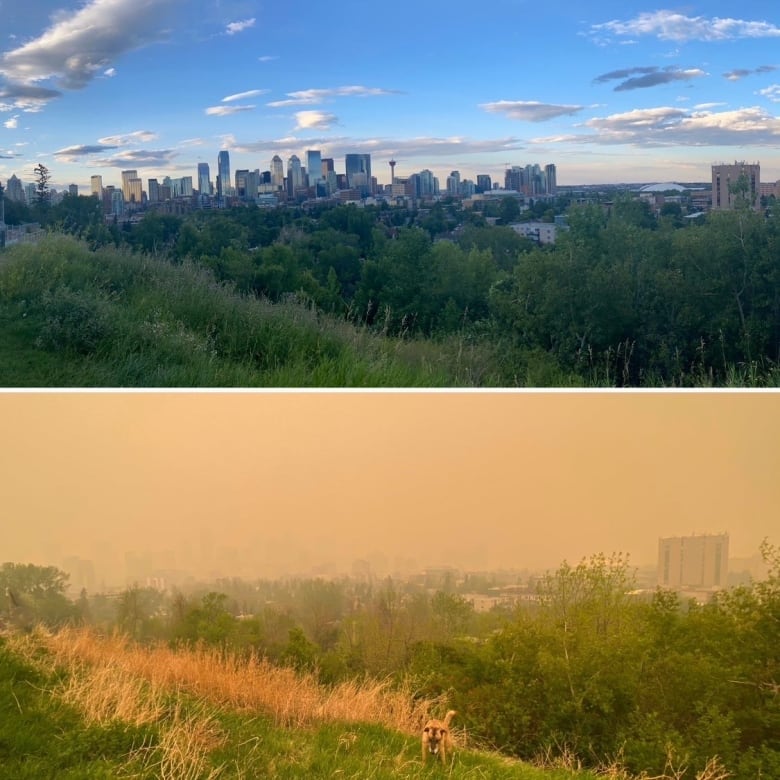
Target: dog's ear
443,731
426,729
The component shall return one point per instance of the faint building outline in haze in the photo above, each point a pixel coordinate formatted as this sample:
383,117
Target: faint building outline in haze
696,565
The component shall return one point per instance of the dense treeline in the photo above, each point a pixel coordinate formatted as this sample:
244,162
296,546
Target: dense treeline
623,298
587,668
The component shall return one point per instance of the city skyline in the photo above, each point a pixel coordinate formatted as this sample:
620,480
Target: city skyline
611,93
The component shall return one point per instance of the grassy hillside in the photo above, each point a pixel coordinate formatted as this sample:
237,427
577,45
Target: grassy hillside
70,317
75,705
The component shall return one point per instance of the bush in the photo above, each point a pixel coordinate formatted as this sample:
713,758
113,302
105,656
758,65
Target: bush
73,320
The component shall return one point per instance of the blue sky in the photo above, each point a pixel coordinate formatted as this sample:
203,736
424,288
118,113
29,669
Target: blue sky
608,91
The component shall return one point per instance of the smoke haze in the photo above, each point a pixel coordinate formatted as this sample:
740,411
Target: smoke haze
267,484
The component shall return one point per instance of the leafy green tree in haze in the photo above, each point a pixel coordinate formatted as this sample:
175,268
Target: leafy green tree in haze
135,611
36,593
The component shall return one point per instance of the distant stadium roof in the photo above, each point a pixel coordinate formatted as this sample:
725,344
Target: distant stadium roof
663,187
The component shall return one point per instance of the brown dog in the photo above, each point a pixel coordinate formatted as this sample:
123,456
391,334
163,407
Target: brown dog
436,738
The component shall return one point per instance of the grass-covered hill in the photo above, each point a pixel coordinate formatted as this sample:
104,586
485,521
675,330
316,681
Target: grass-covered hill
72,317
77,705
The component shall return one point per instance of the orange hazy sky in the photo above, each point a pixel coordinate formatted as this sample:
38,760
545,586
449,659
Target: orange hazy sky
277,482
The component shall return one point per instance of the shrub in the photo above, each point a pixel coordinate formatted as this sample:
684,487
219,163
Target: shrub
73,320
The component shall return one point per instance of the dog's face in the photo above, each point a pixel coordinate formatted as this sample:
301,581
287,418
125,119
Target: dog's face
433,735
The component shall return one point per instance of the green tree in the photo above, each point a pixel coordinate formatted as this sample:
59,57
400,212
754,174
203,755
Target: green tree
136,610
508,210
42,194
36,593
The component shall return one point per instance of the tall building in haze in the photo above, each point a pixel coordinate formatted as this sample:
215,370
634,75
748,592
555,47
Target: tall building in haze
693,563
96,185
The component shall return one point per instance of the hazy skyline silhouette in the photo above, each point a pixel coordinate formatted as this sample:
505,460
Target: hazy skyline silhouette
268,484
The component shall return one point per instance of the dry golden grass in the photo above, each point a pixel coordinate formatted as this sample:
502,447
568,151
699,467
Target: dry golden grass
106,691
104,694
185,744
288,697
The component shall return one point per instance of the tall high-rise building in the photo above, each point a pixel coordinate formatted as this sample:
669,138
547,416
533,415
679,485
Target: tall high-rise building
241,176
551,179
204,179
483,182
426,184
117,203
693,563
358,170
14,189
96,185
181,187
294,175
135,191
126,177
314,166
453,183
153,190
514,178
223,174
73,189
277,171
732,183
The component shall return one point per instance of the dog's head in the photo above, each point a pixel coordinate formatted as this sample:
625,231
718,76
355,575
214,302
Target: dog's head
433,735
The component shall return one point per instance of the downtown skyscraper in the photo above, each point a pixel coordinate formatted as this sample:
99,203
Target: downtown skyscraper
358,169
204,179
223,174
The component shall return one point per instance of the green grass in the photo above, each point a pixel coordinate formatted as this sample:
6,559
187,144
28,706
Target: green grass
42,737
70,317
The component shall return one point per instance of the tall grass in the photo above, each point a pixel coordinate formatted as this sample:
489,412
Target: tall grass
290,698
73,317
208,714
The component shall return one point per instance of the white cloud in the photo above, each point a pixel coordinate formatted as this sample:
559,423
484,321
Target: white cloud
110,73
673,26
136,137
227,110
529,110
771,93
237,27
29,98
267,58
12,123
244,95
78,47
138,158
73,153
317,120
423,147
305,97
666,126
